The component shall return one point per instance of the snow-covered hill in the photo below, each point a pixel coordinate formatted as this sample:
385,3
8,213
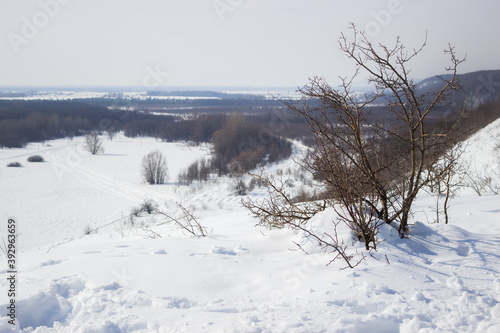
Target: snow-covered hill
241,278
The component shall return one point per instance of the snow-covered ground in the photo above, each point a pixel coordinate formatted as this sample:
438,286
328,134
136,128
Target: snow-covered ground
71,95
152,277
142,94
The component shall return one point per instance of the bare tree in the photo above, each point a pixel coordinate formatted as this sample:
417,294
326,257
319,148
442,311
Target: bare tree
93,143
448,177
240,187
374,166
154,168
204,171
371,165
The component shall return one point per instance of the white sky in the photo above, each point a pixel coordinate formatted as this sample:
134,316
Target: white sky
259,43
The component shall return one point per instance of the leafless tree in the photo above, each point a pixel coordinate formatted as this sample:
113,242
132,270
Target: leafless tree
93,143
204,172
154,168
452,171
372,166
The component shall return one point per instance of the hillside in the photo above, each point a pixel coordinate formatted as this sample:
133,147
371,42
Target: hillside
153,277
481,86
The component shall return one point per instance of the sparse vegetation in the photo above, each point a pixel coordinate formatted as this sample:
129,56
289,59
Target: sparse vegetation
240,187
87,230
35,158
241,145
482,181
94,143
374,170
186,221
371,166
197,171
452,173
149,206
154,168
279,210
14,165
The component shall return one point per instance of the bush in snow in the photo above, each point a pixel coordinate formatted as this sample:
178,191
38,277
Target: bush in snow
240,187
14,165
482,181
87,230
135,211
35,158
148,206
154,168
93,143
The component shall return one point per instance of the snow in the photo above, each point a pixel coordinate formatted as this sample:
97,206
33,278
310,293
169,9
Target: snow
482,151
153,277
73,188
71,95
141,94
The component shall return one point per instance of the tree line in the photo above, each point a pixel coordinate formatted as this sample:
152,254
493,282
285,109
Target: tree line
22,122
240,142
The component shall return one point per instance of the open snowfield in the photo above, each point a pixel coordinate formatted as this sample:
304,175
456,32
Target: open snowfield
241,278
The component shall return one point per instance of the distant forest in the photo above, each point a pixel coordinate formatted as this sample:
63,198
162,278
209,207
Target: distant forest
240,138
261,129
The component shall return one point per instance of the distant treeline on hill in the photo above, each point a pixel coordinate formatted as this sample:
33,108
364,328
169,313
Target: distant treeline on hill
22,122
260,131
207,94
239,140
239,103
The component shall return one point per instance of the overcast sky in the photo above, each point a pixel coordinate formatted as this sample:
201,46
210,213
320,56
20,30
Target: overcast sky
261,43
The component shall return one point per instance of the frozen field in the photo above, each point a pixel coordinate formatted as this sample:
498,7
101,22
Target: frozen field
241,278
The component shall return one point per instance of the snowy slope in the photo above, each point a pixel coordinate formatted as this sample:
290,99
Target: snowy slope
241,278
73,189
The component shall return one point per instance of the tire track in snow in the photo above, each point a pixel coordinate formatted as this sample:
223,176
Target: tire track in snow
106,183
38,152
